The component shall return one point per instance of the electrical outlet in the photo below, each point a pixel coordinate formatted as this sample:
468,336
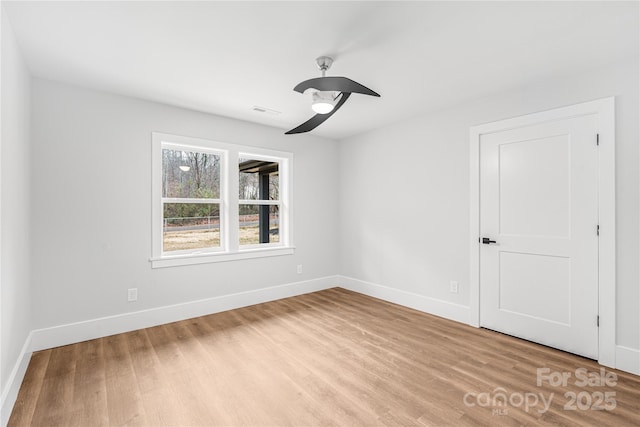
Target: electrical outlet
132,294
453,287
299,268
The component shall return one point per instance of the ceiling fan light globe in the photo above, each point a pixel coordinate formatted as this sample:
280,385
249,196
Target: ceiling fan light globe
323,102
322,107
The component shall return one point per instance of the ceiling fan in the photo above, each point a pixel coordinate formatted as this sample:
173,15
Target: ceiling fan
328,95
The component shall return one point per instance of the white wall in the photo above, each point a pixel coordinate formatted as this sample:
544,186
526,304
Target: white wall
91,199
15,267
404,191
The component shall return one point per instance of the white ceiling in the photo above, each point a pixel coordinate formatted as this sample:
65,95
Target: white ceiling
226,57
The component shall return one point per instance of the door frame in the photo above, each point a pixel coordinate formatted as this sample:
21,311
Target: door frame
604,109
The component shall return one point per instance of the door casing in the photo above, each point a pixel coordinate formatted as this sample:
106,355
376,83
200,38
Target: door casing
605,111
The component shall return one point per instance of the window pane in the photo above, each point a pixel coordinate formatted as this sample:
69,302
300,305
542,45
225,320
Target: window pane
191,226
190,174
259,180
259,224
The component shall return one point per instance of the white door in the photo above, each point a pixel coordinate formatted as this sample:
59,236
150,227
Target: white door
539,203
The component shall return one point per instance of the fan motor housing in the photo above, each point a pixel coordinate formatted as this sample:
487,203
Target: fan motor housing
324,62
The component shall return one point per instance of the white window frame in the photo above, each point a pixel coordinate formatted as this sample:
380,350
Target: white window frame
230,248
220,200
282,172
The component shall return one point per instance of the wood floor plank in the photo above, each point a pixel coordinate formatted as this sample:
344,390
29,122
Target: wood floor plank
25,405
56,393
124,400
89,390
329,358
155,392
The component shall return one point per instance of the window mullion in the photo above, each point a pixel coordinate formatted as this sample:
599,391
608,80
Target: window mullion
231,176
189,200
259,202
285,198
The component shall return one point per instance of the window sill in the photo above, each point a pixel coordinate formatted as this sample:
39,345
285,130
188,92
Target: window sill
191,259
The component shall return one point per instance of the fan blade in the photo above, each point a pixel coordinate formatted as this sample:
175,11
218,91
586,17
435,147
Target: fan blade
338,84
318,119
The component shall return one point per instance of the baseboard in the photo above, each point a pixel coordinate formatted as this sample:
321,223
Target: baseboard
96,328
628,359
10,392
438,307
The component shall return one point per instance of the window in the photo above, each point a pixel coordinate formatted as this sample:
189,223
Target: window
259,204
190,199
206,210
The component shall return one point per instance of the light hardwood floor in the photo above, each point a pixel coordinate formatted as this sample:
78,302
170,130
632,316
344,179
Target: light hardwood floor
329,358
